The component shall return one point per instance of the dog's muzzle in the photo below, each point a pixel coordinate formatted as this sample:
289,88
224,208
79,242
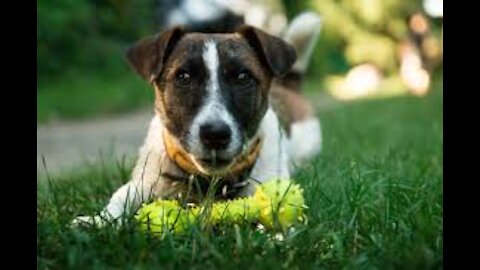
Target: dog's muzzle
185,161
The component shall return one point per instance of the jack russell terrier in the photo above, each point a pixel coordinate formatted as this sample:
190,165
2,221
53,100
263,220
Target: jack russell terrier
228,109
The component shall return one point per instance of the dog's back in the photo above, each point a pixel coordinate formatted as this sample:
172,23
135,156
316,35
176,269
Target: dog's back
294,110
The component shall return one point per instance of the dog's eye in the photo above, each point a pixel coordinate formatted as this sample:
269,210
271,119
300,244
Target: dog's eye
183,78
244,78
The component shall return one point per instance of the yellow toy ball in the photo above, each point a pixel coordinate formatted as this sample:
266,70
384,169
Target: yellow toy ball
237,211
281,203
164,215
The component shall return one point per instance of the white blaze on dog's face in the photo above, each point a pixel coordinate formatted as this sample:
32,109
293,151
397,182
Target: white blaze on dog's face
212,88
215,136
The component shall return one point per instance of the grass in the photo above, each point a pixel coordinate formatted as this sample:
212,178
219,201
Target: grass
79,94
375,198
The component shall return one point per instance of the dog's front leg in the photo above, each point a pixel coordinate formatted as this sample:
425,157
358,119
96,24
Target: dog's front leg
145,181
142,186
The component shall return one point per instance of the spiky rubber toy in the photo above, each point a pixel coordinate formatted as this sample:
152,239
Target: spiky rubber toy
276,204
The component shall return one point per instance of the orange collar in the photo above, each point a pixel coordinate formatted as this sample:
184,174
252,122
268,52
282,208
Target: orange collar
183,160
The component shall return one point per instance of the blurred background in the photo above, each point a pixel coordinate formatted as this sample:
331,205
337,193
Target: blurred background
87,96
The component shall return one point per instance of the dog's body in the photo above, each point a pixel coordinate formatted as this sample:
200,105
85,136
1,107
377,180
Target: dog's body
228,109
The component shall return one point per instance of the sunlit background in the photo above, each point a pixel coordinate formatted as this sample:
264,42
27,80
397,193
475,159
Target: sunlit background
366,49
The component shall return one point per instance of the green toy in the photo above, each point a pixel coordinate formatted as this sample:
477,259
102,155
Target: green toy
275,204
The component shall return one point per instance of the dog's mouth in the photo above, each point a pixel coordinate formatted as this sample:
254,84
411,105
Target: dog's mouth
214,162
220,162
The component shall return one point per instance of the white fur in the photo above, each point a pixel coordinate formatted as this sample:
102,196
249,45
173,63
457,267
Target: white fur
303,33
273,159
212,110
177,17
305,141
202,10
144,182
196,11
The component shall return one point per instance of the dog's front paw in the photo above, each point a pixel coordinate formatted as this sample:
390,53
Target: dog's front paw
88,221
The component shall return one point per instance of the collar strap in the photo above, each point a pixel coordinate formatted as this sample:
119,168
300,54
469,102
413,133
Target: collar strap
183,160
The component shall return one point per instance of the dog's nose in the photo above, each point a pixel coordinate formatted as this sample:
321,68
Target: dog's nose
215,135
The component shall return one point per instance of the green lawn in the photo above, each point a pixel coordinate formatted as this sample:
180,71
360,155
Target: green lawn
375,198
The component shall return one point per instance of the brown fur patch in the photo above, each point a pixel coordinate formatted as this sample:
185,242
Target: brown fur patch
289,104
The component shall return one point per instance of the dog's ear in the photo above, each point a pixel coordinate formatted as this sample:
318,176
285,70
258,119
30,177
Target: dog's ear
277,54
148,55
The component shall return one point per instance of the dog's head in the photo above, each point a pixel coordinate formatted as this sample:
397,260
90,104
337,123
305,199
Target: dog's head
211,88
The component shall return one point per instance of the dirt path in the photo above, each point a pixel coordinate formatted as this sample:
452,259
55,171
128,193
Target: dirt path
68,145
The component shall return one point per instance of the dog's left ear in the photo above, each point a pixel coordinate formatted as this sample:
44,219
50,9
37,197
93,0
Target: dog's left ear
148,55
278,54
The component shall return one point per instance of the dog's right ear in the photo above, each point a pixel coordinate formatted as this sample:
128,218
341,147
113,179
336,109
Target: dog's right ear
148,55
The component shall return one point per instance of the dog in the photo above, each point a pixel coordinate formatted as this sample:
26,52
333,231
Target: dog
229,114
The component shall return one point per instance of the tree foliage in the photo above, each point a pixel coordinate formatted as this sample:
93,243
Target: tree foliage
76,34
